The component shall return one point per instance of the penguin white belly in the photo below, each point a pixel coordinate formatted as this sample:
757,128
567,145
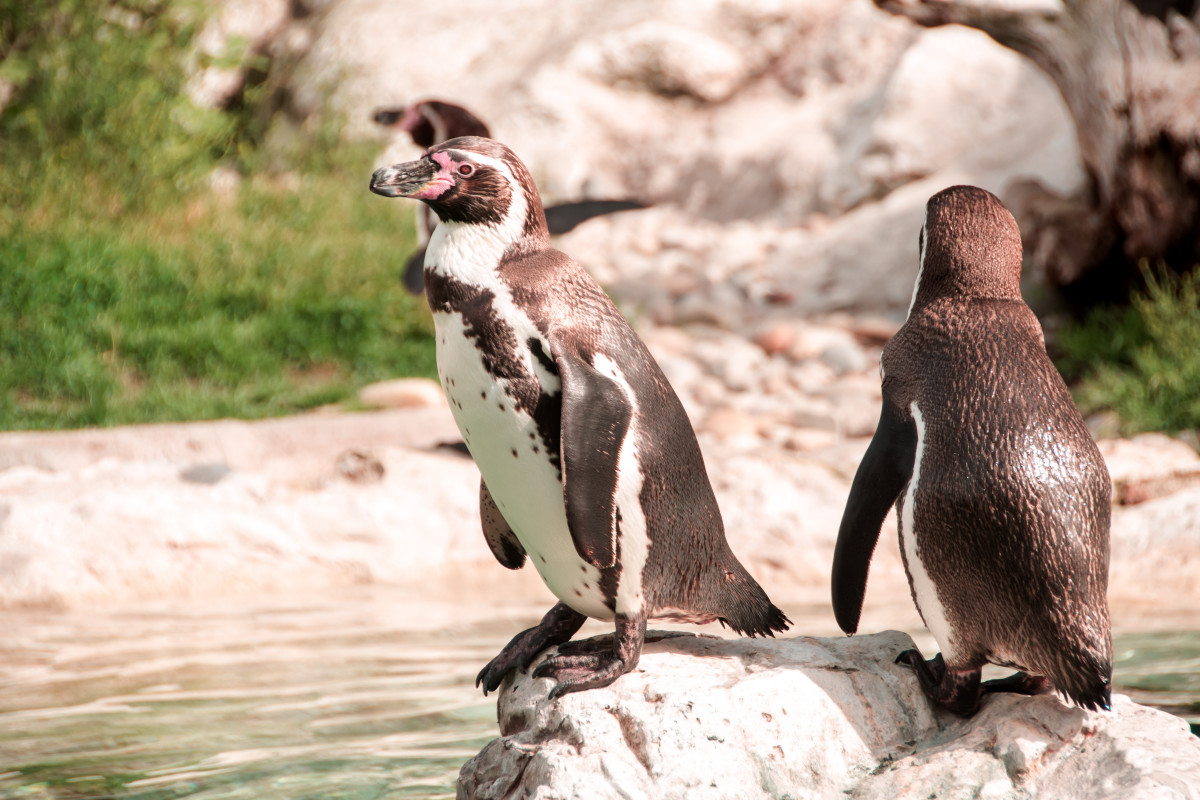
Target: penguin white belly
514,462
924,590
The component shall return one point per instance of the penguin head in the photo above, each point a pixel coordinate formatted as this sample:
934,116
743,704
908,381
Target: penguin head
472,181
970,247
431,122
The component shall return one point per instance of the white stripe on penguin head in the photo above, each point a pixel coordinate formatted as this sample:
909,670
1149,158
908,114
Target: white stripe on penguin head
470,252
921,268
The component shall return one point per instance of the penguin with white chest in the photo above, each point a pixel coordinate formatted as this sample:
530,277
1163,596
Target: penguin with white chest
589,465
430,122
1001,495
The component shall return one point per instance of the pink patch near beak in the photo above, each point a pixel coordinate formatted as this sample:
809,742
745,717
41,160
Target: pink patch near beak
441,183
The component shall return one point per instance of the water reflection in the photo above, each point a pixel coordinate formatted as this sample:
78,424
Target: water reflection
344,699
1161,670
350,696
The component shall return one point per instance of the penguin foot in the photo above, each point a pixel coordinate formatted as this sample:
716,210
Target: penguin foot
585,647
558,626
1020,683
956,690
582,667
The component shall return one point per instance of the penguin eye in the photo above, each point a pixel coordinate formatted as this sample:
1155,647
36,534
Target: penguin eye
466,170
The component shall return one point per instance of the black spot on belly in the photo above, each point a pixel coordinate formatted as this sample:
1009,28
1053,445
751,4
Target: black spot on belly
535,449
500,406
483,395
578,593
543,558
514,452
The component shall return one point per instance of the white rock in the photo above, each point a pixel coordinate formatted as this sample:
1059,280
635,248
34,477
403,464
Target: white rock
96,516
665,59
816,718
748,124
403,393
933,117
1147,457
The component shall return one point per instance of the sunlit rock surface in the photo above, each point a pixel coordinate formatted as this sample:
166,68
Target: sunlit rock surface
815,718
788,147
327,499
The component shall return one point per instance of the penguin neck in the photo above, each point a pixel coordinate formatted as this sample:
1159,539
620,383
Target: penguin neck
471,251
961,283
933,296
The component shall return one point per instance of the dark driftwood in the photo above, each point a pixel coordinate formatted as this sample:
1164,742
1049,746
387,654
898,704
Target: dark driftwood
1130,75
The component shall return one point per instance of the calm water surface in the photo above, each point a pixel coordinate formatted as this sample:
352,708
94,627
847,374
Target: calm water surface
340,696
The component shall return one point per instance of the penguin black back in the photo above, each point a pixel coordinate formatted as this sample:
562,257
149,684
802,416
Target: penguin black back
1003,498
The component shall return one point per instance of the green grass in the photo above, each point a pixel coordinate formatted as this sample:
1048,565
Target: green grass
1143,361
130,292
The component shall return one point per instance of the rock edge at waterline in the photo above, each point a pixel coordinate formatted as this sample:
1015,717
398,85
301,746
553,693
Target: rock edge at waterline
815,718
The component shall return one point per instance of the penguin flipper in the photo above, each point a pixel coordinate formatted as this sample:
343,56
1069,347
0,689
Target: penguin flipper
884,471
500,537
595,419
414,272
565,217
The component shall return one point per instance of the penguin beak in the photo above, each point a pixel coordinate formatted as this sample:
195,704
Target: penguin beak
420,180
388,116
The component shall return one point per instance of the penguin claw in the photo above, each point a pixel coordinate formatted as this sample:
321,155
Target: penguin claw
579,672
559,625
956,690
592,646
490,677
557,663
589,665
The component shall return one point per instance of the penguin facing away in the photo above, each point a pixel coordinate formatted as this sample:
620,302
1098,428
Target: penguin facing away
1002,498
589,465
430,122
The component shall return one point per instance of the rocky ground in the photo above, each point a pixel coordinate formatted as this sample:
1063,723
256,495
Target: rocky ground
819,718
783,412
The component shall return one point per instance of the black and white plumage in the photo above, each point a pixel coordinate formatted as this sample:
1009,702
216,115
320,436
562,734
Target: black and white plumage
1002,497
590,468
430,122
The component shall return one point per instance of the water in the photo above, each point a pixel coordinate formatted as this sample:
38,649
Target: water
348,696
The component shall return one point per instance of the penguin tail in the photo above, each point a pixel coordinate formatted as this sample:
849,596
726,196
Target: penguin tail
1095,698
742,605
1085,677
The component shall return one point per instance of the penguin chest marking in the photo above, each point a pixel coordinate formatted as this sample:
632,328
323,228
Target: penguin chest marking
924,591
518,465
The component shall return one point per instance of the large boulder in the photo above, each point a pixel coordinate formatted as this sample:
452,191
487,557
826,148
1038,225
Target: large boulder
815,718
813,131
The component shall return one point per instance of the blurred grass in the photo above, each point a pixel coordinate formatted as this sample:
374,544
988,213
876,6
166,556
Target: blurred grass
130,291
1141,361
